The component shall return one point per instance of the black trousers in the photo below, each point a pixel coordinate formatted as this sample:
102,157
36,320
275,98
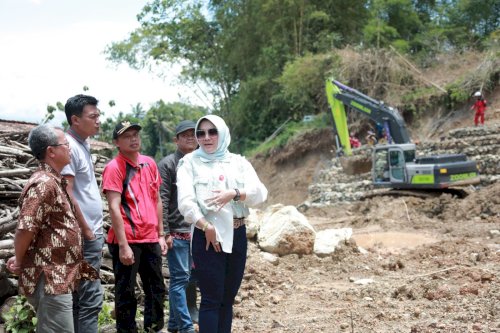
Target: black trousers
219,276
147,263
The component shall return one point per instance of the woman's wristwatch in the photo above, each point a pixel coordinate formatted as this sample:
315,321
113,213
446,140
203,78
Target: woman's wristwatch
237,197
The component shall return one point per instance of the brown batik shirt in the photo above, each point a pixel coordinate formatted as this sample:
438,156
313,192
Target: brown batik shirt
56,249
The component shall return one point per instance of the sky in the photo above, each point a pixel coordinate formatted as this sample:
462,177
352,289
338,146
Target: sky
51,49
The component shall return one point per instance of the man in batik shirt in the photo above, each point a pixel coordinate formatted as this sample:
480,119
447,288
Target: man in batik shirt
48,241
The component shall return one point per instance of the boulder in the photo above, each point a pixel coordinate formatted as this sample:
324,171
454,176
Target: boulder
285,230
253,223
327,240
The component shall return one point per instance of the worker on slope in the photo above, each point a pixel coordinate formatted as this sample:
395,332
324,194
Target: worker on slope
355,143
480,107
371,139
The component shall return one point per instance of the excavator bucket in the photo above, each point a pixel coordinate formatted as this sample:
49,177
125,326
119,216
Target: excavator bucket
339,116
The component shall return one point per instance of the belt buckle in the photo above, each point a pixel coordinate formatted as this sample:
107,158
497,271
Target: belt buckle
238,222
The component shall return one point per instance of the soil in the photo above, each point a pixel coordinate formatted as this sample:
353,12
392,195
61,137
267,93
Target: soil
412,265
288,172
434,266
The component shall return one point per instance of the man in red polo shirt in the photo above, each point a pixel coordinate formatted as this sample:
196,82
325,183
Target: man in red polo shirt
131,182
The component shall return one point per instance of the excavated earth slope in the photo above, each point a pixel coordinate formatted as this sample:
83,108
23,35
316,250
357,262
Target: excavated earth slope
413,264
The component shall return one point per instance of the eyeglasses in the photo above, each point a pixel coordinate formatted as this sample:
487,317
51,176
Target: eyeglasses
60,144
211,133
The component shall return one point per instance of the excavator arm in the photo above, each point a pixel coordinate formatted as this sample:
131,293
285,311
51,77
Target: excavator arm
340,95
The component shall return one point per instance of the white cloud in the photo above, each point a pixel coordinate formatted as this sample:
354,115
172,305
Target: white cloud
49,65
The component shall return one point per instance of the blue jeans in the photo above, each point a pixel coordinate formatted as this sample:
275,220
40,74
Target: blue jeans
179,265
147,263
87,299
219,276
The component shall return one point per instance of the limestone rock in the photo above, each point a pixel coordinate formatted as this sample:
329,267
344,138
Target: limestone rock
327,240
285,230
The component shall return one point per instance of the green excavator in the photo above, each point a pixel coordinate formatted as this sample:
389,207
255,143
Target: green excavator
394,163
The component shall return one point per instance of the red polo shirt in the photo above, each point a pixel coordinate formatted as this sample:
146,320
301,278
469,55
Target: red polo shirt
138,185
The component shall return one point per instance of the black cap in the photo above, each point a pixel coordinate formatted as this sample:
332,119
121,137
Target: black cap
184,126
123,126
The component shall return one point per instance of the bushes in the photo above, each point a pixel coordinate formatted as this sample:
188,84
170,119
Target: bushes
290,131
21,316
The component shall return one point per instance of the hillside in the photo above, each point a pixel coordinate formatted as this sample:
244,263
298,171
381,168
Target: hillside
417,265
289,171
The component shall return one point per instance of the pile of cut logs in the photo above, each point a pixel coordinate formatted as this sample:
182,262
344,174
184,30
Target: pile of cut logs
16,166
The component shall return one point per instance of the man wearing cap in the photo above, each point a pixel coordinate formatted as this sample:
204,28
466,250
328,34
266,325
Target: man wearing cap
131,182
178,235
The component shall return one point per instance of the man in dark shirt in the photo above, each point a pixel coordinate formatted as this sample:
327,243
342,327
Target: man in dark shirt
178,235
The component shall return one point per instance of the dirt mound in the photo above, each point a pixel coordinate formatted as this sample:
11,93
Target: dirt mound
288,172
483,205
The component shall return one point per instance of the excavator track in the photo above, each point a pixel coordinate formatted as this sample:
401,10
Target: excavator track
424,194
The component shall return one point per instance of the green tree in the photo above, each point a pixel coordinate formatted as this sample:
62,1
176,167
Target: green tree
158,126
338,23
393,22
138,111
303,83
244,51
176,31
234,47
471,20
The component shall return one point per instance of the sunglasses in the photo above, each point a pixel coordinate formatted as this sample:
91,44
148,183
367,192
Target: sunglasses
211,133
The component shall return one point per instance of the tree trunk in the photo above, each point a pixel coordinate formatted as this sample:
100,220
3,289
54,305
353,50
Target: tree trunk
15,172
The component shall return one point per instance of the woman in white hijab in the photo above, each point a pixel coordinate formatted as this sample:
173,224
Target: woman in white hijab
215,188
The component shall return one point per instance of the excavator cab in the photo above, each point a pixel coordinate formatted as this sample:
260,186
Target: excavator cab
389,164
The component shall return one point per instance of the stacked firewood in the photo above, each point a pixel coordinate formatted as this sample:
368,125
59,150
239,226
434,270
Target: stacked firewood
16,166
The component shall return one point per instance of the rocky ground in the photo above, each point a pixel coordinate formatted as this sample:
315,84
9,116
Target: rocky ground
413,264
